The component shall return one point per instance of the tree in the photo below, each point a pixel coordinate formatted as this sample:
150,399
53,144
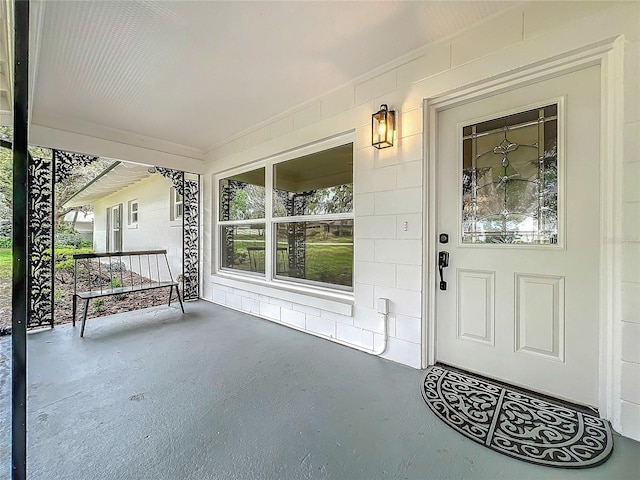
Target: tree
6,192
248,202
338,199
67,188
64,190
6,175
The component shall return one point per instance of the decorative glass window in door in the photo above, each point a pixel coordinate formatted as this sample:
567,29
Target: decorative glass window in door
510,179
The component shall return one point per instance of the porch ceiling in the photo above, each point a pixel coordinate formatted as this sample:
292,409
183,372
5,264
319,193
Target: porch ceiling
190,75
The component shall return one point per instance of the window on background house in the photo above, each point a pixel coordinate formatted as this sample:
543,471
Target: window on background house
310,225
177,205
133,213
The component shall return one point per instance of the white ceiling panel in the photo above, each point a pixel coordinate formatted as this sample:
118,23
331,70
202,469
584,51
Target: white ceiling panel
196,73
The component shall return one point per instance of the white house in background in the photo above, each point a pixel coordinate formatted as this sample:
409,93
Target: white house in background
560,315
83,222
134,210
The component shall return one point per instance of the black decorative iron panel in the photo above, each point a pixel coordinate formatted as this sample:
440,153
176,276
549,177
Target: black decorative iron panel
65,162
176,177
295,205
191,261
297,234
190,191
229,188
46,168
40,241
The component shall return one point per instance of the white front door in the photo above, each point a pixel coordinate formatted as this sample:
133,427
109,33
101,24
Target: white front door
518,196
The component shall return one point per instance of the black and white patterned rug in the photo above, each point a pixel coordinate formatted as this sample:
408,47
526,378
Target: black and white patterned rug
517,423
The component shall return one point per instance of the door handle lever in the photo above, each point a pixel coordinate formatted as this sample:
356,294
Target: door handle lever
443,262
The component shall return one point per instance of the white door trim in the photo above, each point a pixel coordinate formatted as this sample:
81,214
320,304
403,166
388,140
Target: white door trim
608,54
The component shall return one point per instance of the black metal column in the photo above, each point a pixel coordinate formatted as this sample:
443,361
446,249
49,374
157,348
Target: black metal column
20,279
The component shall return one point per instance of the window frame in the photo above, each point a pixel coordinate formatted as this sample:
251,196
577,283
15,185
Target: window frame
130,222
270,221
175,203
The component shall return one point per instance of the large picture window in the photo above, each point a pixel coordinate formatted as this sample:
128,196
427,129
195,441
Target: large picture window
305,234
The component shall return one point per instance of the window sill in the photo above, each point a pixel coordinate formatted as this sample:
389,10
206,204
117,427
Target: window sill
332,301
133,226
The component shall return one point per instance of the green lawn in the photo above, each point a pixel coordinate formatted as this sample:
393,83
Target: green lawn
5,264
329,262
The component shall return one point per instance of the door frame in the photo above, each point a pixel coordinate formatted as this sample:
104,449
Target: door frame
608,54
110,229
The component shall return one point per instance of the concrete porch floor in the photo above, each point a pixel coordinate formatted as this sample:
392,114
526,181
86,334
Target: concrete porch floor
220,394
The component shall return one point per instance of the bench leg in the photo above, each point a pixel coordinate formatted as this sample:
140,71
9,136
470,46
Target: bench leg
74,309
179,299
84,316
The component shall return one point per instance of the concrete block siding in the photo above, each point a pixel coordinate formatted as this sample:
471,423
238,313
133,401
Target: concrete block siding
389,187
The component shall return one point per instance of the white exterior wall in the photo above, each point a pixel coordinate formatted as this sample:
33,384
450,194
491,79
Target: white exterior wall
155,230
389,190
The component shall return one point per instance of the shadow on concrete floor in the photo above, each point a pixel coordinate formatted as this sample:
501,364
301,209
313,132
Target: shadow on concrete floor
216,393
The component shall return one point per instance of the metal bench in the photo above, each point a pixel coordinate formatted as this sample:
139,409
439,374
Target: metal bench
105,275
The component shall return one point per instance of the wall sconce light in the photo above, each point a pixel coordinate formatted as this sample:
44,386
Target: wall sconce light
383,124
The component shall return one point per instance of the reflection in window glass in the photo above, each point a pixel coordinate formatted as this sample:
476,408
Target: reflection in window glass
510,179
243,247
316,184
242,197
320,251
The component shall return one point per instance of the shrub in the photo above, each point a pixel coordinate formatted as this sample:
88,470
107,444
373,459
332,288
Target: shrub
98,305
63,263
116,283
67,238
64,254
57,296
5,242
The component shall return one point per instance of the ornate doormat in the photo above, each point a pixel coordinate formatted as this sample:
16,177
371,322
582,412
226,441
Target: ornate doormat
520,424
